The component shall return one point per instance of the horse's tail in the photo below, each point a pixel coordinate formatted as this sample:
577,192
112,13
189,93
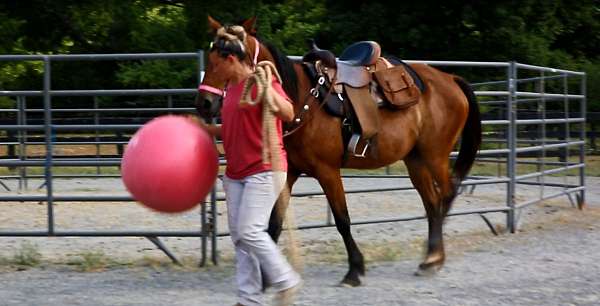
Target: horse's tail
471,133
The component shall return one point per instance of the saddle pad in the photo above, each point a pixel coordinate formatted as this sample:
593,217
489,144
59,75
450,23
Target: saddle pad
418,81
334,106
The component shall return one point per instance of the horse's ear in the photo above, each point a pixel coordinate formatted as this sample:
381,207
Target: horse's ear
250,25
213,24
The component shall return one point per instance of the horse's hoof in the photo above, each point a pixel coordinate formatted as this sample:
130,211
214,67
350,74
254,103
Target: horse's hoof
428,269
361,270
350,282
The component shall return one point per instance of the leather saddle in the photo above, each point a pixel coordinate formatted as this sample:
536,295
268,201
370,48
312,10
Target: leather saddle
362,82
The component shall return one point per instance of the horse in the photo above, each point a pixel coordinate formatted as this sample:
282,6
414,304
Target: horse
423,136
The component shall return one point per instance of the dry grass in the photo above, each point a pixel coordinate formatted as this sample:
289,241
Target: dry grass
486,169
91,261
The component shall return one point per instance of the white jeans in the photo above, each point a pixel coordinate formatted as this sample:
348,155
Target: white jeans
249,204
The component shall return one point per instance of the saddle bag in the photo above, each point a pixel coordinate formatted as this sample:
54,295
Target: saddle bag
398,87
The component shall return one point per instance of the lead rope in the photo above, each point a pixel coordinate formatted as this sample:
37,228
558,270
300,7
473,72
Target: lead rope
263,77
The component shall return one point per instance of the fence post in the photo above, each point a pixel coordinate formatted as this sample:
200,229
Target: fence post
213,232
96,132
541,114
170,104
582,111
48,131
208,214
512,146
200,66
22,120
204,238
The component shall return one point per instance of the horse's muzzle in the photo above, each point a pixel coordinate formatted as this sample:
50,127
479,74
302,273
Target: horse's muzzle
208,105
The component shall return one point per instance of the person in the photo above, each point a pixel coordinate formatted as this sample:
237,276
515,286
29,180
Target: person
249,185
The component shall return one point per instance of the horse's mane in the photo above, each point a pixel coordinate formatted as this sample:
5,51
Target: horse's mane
285,67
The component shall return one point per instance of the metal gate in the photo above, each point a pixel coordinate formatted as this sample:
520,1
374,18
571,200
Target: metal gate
531,114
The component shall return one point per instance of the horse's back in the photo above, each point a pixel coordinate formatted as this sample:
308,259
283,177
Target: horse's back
443,107
433,76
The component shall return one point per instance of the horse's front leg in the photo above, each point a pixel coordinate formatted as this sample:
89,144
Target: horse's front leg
331,182
278,213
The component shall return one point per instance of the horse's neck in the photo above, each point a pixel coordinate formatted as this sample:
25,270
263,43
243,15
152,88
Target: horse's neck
304,85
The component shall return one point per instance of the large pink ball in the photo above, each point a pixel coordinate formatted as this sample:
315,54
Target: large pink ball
170,164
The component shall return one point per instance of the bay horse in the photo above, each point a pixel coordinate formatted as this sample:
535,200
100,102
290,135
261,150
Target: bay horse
423,136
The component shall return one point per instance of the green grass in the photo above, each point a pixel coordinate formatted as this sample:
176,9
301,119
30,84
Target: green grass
92,261
26,256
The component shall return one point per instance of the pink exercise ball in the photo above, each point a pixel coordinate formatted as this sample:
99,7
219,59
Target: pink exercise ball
170,164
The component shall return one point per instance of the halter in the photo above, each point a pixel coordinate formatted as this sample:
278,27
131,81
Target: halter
221,92
212,90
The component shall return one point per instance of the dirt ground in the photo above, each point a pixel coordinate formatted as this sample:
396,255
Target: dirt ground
551,260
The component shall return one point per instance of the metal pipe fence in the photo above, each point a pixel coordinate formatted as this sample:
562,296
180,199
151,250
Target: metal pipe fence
519,99
50,131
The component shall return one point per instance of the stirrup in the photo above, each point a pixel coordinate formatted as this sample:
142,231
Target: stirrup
353,145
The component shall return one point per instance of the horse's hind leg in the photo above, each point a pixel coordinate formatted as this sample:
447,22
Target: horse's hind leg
433,183
278,213
331,182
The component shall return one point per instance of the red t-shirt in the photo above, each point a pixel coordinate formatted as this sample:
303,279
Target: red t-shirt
242,133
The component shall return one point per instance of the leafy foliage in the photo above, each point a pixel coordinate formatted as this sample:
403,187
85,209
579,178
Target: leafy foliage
562,34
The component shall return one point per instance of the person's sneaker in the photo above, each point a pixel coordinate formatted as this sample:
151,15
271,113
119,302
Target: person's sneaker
286,297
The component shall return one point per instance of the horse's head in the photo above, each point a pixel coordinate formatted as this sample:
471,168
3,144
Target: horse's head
229,40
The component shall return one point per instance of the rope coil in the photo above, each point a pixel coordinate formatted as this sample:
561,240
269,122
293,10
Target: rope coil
263,78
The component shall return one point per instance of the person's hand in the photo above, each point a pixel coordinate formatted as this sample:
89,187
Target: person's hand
212,129
285,110
195,119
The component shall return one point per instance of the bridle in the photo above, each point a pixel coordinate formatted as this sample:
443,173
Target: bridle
318,92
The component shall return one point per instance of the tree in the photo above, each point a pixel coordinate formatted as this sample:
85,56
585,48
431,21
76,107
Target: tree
562,34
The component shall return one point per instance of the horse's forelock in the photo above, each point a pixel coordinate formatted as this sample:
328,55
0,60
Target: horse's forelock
232,33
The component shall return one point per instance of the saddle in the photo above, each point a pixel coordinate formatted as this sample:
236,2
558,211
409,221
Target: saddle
362,82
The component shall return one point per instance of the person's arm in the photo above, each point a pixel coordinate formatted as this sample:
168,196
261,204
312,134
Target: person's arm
286,110
213,129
